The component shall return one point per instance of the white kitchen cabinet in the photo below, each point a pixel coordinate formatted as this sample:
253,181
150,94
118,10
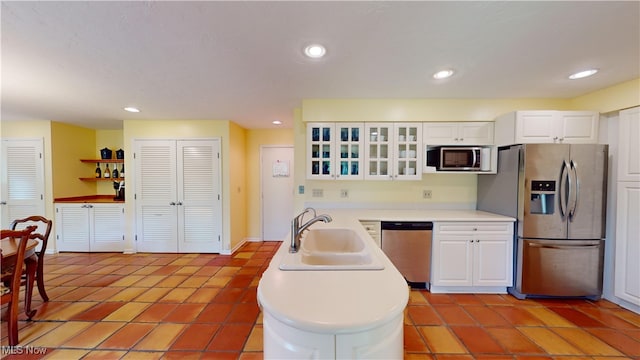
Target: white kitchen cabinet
627,238
458,133
177,196
547,126
89,227
629,145
282,341
472,257
334,151
393,151
373,228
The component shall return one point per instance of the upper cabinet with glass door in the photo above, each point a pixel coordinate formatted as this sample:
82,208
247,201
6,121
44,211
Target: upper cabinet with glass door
393,151
407,151
334,151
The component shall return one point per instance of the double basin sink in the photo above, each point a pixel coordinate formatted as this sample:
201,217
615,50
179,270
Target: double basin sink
332,249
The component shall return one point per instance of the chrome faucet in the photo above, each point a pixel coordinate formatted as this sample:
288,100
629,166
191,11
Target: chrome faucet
297,229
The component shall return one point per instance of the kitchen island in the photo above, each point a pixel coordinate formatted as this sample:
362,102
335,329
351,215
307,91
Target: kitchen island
343,313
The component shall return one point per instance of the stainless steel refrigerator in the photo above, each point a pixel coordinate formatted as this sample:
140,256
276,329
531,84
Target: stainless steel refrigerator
557,192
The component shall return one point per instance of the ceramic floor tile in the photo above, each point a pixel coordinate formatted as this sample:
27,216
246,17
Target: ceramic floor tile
424,315
128,294
104,355
67,311
577,317
149,280
172,281
155,312
195,337
98,312
58,336
477,340
214,313
208,270
549,318
244,313
184,313
230,337
153,294
466,299
454,314
486,316
518,316
203,295
187,270
413,342
586,342
627,315
75,294
620,342
513,341
161,337
194,281
64,354
441,340
127,336
128,280
94,335
143,355
549,341
178,295
416,298
229,295
218,281
99,295
607,317
127,312
255,340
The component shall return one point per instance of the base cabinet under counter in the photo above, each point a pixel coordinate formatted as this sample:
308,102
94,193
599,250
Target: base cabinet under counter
472,257
89,227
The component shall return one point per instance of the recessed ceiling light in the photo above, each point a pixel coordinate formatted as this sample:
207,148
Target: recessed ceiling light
276,122
132,109
315,51
443,74
583,74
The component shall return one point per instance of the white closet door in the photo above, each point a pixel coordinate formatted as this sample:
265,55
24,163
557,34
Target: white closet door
22,177
199,204
155,195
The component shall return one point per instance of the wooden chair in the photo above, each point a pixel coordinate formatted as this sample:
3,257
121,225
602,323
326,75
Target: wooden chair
42,234
14,268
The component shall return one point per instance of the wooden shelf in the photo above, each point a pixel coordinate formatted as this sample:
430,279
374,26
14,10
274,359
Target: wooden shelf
100,179
103,161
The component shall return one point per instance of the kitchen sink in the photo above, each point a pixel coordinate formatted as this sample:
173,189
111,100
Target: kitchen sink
332,249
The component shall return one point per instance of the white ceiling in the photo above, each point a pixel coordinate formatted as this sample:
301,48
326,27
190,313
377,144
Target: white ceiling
82,62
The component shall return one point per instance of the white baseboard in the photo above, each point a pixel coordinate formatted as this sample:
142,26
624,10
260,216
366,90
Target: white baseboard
253,239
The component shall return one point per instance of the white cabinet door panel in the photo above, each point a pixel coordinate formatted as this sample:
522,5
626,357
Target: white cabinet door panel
627,269
107,225
72,228
629,145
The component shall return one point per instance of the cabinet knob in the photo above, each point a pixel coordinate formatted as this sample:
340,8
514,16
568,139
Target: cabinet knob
179,203
470,241
172,203
3,203
475,229
461,139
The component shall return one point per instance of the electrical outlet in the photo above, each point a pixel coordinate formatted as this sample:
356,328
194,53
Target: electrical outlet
426,194
317,193
344,193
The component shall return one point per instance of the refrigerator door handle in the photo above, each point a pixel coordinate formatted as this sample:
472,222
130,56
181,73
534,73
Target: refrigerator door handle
565,247
574,190
564,177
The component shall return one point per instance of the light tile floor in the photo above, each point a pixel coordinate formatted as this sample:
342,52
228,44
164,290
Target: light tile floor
203,306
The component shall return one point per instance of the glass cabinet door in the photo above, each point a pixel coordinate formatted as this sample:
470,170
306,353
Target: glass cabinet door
320,149
349,150
408,151
378,146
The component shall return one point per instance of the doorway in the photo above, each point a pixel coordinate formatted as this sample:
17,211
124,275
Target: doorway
276,188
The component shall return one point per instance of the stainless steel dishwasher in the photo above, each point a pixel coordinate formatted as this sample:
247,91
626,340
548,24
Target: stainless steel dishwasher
408,246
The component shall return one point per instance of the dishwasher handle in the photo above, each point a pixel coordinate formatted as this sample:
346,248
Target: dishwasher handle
403,225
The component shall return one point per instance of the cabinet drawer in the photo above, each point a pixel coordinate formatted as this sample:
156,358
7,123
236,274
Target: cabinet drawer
474,228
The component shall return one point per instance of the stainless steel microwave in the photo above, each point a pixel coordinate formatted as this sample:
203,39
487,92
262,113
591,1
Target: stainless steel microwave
456,158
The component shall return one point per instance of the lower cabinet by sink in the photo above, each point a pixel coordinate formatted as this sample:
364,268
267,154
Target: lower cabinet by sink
472,257
282,341
89,227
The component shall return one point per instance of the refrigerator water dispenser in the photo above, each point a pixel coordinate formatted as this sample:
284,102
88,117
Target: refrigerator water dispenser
542,197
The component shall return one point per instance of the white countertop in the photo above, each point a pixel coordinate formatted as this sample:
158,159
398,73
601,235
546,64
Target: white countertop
353,300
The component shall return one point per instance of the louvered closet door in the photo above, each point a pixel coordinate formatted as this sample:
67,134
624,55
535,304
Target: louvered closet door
155,195
107,227
22,177
199,205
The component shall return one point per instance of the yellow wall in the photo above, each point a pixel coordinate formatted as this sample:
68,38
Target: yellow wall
179,129
255,139
613,98
111,139
237,156
69,144
318,110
